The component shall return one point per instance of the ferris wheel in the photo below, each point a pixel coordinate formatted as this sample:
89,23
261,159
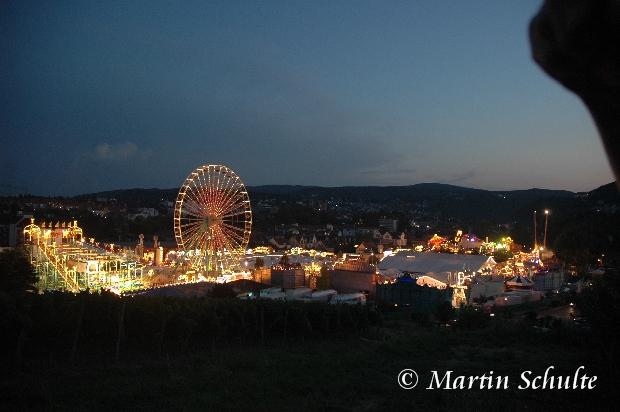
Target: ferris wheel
213,219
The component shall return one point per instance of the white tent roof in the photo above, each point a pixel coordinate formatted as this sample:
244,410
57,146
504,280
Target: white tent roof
425,262
440,277
519,281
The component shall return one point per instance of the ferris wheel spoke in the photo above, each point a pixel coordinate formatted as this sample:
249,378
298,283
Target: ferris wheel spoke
229,187
218,243
220,188
228,243
203,189
234,191
189,230
195,230
188,233
225,240
209,186
224,195
191,215
234,235
192,240
219,235
238,213
236,238
192,207
200,199
232,227
231,243
197,242
214,193
226,186
187,220
207,258
239,237
230,201
191,219
236,202
197,192
232,247
228,183
190,191
199,187
218,194
235,244
229,192
203,241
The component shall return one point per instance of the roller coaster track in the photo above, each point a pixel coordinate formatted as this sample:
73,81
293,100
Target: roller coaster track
61,269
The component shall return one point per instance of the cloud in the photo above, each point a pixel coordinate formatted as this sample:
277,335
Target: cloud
121,151
460,177
390,173
389,170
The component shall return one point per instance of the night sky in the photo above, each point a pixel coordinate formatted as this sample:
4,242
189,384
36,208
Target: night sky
106,95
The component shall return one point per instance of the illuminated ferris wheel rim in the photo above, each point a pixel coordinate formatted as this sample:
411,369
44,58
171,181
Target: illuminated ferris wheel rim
213,217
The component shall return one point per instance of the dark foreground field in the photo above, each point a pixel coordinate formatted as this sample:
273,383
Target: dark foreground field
278,367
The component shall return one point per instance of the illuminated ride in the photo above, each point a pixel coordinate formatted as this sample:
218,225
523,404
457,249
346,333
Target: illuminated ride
213,220
63,260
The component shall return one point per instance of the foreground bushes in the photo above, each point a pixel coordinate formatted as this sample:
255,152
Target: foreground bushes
61,327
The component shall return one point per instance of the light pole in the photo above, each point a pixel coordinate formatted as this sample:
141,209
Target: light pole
546,221
535,240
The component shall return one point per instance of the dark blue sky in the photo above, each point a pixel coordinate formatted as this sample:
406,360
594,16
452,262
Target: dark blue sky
103,95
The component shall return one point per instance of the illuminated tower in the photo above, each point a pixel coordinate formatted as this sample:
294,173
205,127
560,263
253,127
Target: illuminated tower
140,247
158,251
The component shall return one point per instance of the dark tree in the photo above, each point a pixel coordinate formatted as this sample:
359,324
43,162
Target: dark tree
16,273
502,255
324,281
222,291
600,305
444,312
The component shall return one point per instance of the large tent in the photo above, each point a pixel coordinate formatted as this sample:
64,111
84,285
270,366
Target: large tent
428,262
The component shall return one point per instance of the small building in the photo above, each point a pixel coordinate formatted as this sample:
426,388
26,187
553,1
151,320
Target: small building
366,247
143,212
482,287
548,280
288,277
470,241
390,225
394,240
519,283
262,275
355,275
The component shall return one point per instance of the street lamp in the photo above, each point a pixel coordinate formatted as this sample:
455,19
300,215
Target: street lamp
547,211
535,240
